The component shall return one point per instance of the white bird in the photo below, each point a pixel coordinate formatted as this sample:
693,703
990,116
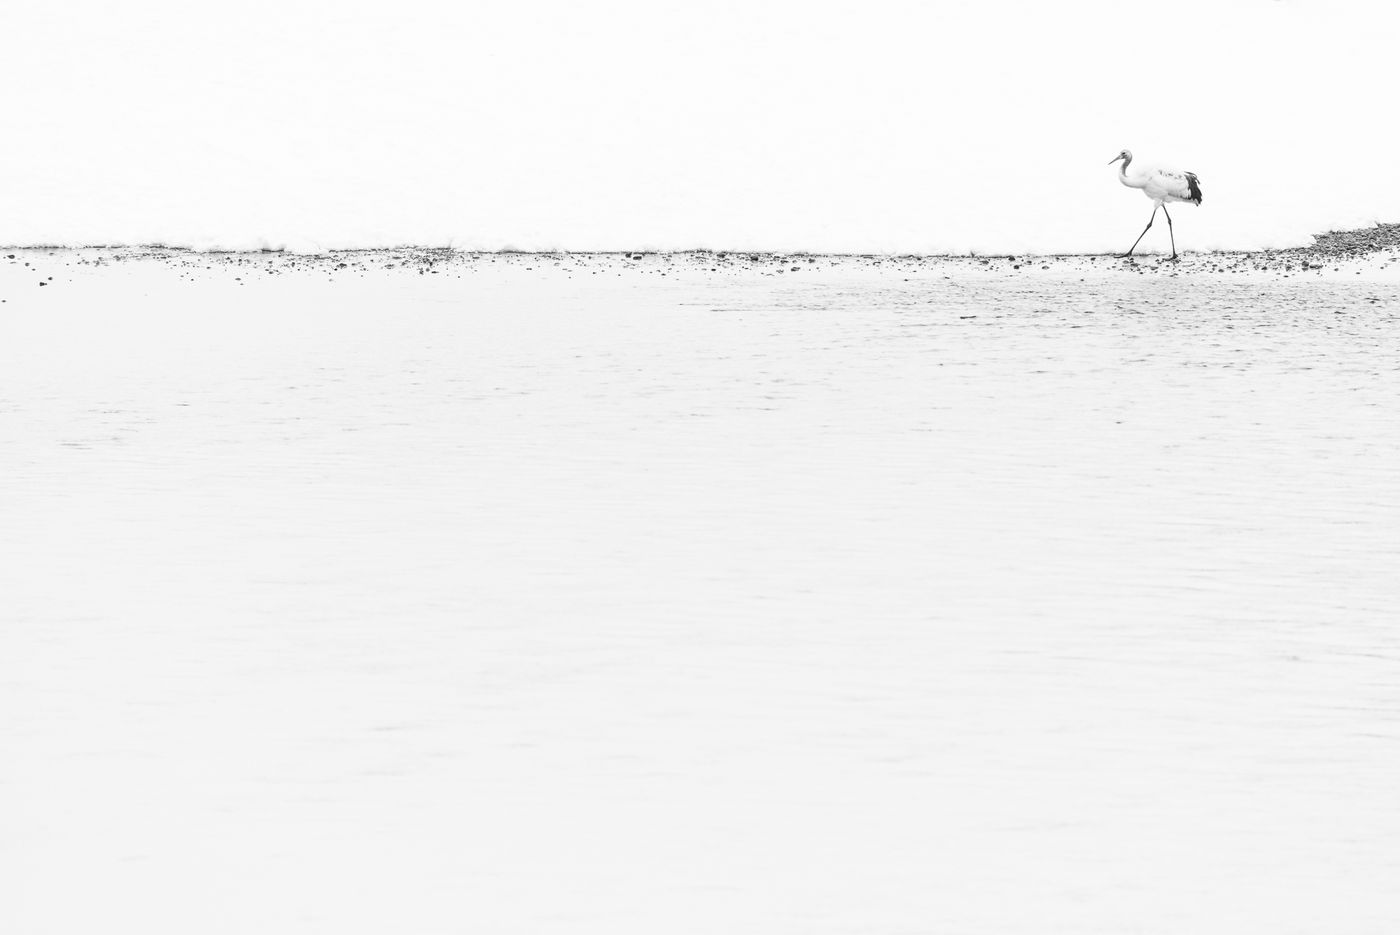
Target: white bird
1162,186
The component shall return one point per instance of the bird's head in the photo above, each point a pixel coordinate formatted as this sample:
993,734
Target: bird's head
1125,155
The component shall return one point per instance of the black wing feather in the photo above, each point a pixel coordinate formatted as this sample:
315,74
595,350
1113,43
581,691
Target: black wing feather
1194,184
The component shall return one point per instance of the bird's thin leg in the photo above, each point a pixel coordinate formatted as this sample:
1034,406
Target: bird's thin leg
1143,234
1169,230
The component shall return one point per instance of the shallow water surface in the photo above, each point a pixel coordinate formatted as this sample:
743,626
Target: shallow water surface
567,601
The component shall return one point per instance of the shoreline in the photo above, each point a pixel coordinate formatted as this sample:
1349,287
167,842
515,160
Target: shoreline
1346,243
1371,252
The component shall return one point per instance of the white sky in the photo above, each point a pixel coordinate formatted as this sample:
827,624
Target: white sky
873,126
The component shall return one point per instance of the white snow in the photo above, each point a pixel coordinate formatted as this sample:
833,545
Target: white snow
576,598
907,126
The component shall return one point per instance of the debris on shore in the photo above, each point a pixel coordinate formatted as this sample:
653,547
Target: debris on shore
1354,243
1351,252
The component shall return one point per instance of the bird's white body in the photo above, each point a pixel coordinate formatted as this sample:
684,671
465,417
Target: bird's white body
1160,185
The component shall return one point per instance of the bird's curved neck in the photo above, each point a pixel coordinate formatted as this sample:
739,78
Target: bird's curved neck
1126,179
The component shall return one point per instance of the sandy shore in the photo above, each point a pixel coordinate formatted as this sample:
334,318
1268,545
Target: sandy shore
1372,254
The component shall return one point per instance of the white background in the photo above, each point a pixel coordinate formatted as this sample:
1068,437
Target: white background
899,126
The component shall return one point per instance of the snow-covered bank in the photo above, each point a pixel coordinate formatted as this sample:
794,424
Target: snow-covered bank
436,593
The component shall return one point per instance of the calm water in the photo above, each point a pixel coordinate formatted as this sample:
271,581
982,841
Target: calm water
852,601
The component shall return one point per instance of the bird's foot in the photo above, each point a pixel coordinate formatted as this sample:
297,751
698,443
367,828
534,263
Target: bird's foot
1173,258
1123,256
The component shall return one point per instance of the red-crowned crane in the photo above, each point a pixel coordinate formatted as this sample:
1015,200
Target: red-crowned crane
1162,186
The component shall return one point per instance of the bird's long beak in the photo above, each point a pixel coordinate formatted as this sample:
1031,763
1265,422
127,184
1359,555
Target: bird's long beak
1115,159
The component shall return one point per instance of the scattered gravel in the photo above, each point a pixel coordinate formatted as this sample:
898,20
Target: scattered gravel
1354,243
1348,252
